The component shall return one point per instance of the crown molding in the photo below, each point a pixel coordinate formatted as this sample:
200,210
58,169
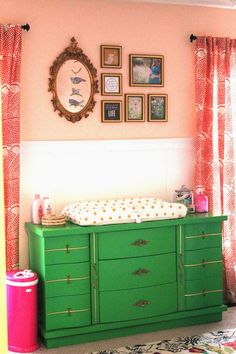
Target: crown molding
223,4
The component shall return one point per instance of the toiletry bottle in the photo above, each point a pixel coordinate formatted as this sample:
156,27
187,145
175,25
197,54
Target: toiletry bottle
201,201
47,208
37,209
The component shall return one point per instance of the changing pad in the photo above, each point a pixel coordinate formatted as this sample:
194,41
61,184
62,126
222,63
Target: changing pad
122,211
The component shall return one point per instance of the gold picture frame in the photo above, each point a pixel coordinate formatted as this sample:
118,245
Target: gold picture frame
146,70
111,56
73,83
158,107
111,84
112,111
134,107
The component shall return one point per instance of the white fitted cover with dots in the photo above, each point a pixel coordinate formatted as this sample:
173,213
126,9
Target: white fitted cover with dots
102,212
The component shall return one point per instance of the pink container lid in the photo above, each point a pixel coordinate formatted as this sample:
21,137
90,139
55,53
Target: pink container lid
21,276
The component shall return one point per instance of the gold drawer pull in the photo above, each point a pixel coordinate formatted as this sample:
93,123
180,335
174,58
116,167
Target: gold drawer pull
140,243
141,271
69,311
67,248
68,279
142,303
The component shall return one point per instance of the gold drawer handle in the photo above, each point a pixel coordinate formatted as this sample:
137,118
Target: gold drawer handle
141,271
69,311
67,248
142,303
68,279
140,243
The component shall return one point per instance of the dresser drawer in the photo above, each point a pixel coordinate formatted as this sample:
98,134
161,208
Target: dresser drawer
207,228
201,256
67,279
68,311
199,236
203,270
204,300
133,243
137,272
66,249
203,293
203,285
122,305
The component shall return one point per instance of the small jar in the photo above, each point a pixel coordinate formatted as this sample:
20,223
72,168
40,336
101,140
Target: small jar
201,201
184,195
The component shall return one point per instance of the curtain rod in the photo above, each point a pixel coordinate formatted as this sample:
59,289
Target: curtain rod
26,27
192,38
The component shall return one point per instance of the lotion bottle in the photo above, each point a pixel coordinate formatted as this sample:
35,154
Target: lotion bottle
37,209
47,207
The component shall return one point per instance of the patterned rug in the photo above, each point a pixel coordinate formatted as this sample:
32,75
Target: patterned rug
222,342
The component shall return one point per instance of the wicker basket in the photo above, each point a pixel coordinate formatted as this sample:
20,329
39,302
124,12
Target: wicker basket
53,220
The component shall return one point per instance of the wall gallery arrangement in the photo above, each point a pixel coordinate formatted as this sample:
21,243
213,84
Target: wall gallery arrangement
144,71
73,83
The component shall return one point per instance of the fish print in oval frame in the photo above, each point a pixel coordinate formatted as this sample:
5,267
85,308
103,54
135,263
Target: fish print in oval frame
73,83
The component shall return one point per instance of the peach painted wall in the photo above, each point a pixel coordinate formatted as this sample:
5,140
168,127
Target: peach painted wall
142,28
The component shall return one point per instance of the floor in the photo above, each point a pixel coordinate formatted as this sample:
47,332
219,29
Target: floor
228,322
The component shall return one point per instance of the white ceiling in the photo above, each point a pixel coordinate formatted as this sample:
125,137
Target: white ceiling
228,4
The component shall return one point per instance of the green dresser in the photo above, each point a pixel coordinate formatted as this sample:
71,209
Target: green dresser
100,282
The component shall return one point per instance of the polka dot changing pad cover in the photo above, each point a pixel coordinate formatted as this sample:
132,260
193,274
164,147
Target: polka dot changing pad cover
126,210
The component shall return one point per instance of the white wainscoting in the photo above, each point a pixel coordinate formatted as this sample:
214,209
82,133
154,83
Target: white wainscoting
68,171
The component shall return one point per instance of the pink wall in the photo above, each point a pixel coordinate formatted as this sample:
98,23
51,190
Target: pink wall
141,28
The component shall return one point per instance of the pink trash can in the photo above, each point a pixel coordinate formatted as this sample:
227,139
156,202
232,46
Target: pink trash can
22,310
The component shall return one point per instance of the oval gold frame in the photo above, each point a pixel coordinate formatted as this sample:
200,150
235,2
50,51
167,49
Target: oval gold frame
76,53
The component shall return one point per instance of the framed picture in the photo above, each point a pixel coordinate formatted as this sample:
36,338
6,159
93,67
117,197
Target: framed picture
146,70
111,111
134,107
111,84
111,56
158,108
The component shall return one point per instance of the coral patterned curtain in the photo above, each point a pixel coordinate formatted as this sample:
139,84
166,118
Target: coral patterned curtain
215,85
10,58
